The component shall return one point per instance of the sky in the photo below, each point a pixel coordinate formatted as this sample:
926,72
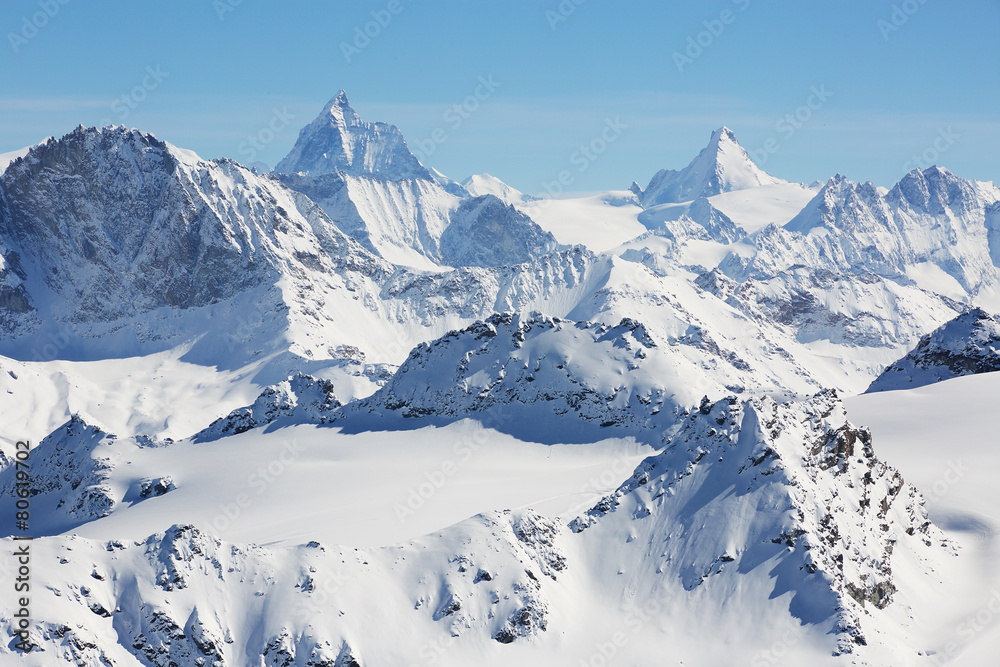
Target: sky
525,90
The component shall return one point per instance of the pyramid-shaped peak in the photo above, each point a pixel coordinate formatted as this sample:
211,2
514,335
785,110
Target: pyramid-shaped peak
338,140
837,182
722,166
726,151
723,141
723,133
340,109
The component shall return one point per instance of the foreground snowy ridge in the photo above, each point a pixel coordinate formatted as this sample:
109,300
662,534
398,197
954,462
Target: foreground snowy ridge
747,502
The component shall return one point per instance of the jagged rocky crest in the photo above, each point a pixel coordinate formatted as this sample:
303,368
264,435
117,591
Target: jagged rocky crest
793,487
300,398
966,345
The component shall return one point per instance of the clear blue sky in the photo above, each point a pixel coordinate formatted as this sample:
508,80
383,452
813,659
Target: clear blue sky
894,92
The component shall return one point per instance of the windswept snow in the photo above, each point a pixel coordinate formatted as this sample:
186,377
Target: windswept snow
600,222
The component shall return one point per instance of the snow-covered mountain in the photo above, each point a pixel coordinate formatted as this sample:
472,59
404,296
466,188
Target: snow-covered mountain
363,174
620,375
931,228
7,158
966,345
338,140
116,243
486,231
300,398
487,184
722,190
722,166
471,426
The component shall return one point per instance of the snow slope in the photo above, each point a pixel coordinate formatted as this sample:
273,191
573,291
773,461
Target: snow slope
937,436
600,222
158,395
755,208
420,480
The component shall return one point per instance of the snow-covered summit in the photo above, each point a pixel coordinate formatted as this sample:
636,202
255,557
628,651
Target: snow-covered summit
791,493
300,397
932,227
338,140
363,175
596,373
109,224
722,166
966,345
487,184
